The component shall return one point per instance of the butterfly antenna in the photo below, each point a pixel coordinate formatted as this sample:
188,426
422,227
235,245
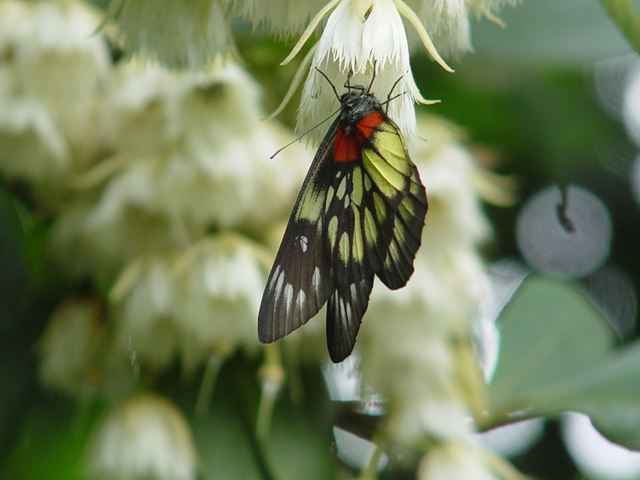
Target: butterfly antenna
389,97
332,86
302,135
347,84
373,76
393,87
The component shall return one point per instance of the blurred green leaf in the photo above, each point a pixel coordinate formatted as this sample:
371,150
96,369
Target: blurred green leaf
550,331
626,17
557,354
223,442
297,446
51,442
609,394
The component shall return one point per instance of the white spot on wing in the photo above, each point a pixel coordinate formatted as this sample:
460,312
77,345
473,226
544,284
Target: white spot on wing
346,201
304,243
274,277
278,287
316,279
343,309
288,296
300,299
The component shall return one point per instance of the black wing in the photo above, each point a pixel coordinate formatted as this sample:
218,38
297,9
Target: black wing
344,315
300,281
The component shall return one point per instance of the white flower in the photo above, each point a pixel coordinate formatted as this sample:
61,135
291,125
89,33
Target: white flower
376,48
51,73
447,21
177,33
415,343
60,62
33,145
363,40
134,109
284,17
203,154
71,345
143,299
91,241
457,461
145,437
190,304
219,285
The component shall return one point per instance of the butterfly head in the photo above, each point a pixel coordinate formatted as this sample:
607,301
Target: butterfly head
355,106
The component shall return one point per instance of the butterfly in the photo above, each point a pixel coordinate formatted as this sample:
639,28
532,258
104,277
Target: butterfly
359,214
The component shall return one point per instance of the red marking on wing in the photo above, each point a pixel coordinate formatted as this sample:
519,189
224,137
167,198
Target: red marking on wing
347,147
367,125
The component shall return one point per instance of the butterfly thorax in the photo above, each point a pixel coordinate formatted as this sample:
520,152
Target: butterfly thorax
355,107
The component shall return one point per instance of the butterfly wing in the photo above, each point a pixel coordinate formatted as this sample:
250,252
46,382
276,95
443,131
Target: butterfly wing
374,213
344,314
397,180
360,213
407,234
300,280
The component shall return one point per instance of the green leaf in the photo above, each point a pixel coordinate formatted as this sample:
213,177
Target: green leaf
609,394
558,355
626,17
51,442
550,331
297,446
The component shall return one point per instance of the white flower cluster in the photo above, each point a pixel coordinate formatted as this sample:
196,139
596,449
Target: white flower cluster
167,216
160,192
415,346
162,198
359,38
51,70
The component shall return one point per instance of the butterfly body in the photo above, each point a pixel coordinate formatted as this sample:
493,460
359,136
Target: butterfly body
359,214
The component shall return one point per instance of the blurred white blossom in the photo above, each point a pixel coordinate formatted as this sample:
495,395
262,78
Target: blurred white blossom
52,70
282,17
190,153
145,437
202,159
179,33
448,21
71,347
89,242
219,287
144,299
191,304
462,460
415,343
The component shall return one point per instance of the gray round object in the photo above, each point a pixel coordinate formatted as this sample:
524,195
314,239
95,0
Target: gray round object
569,242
